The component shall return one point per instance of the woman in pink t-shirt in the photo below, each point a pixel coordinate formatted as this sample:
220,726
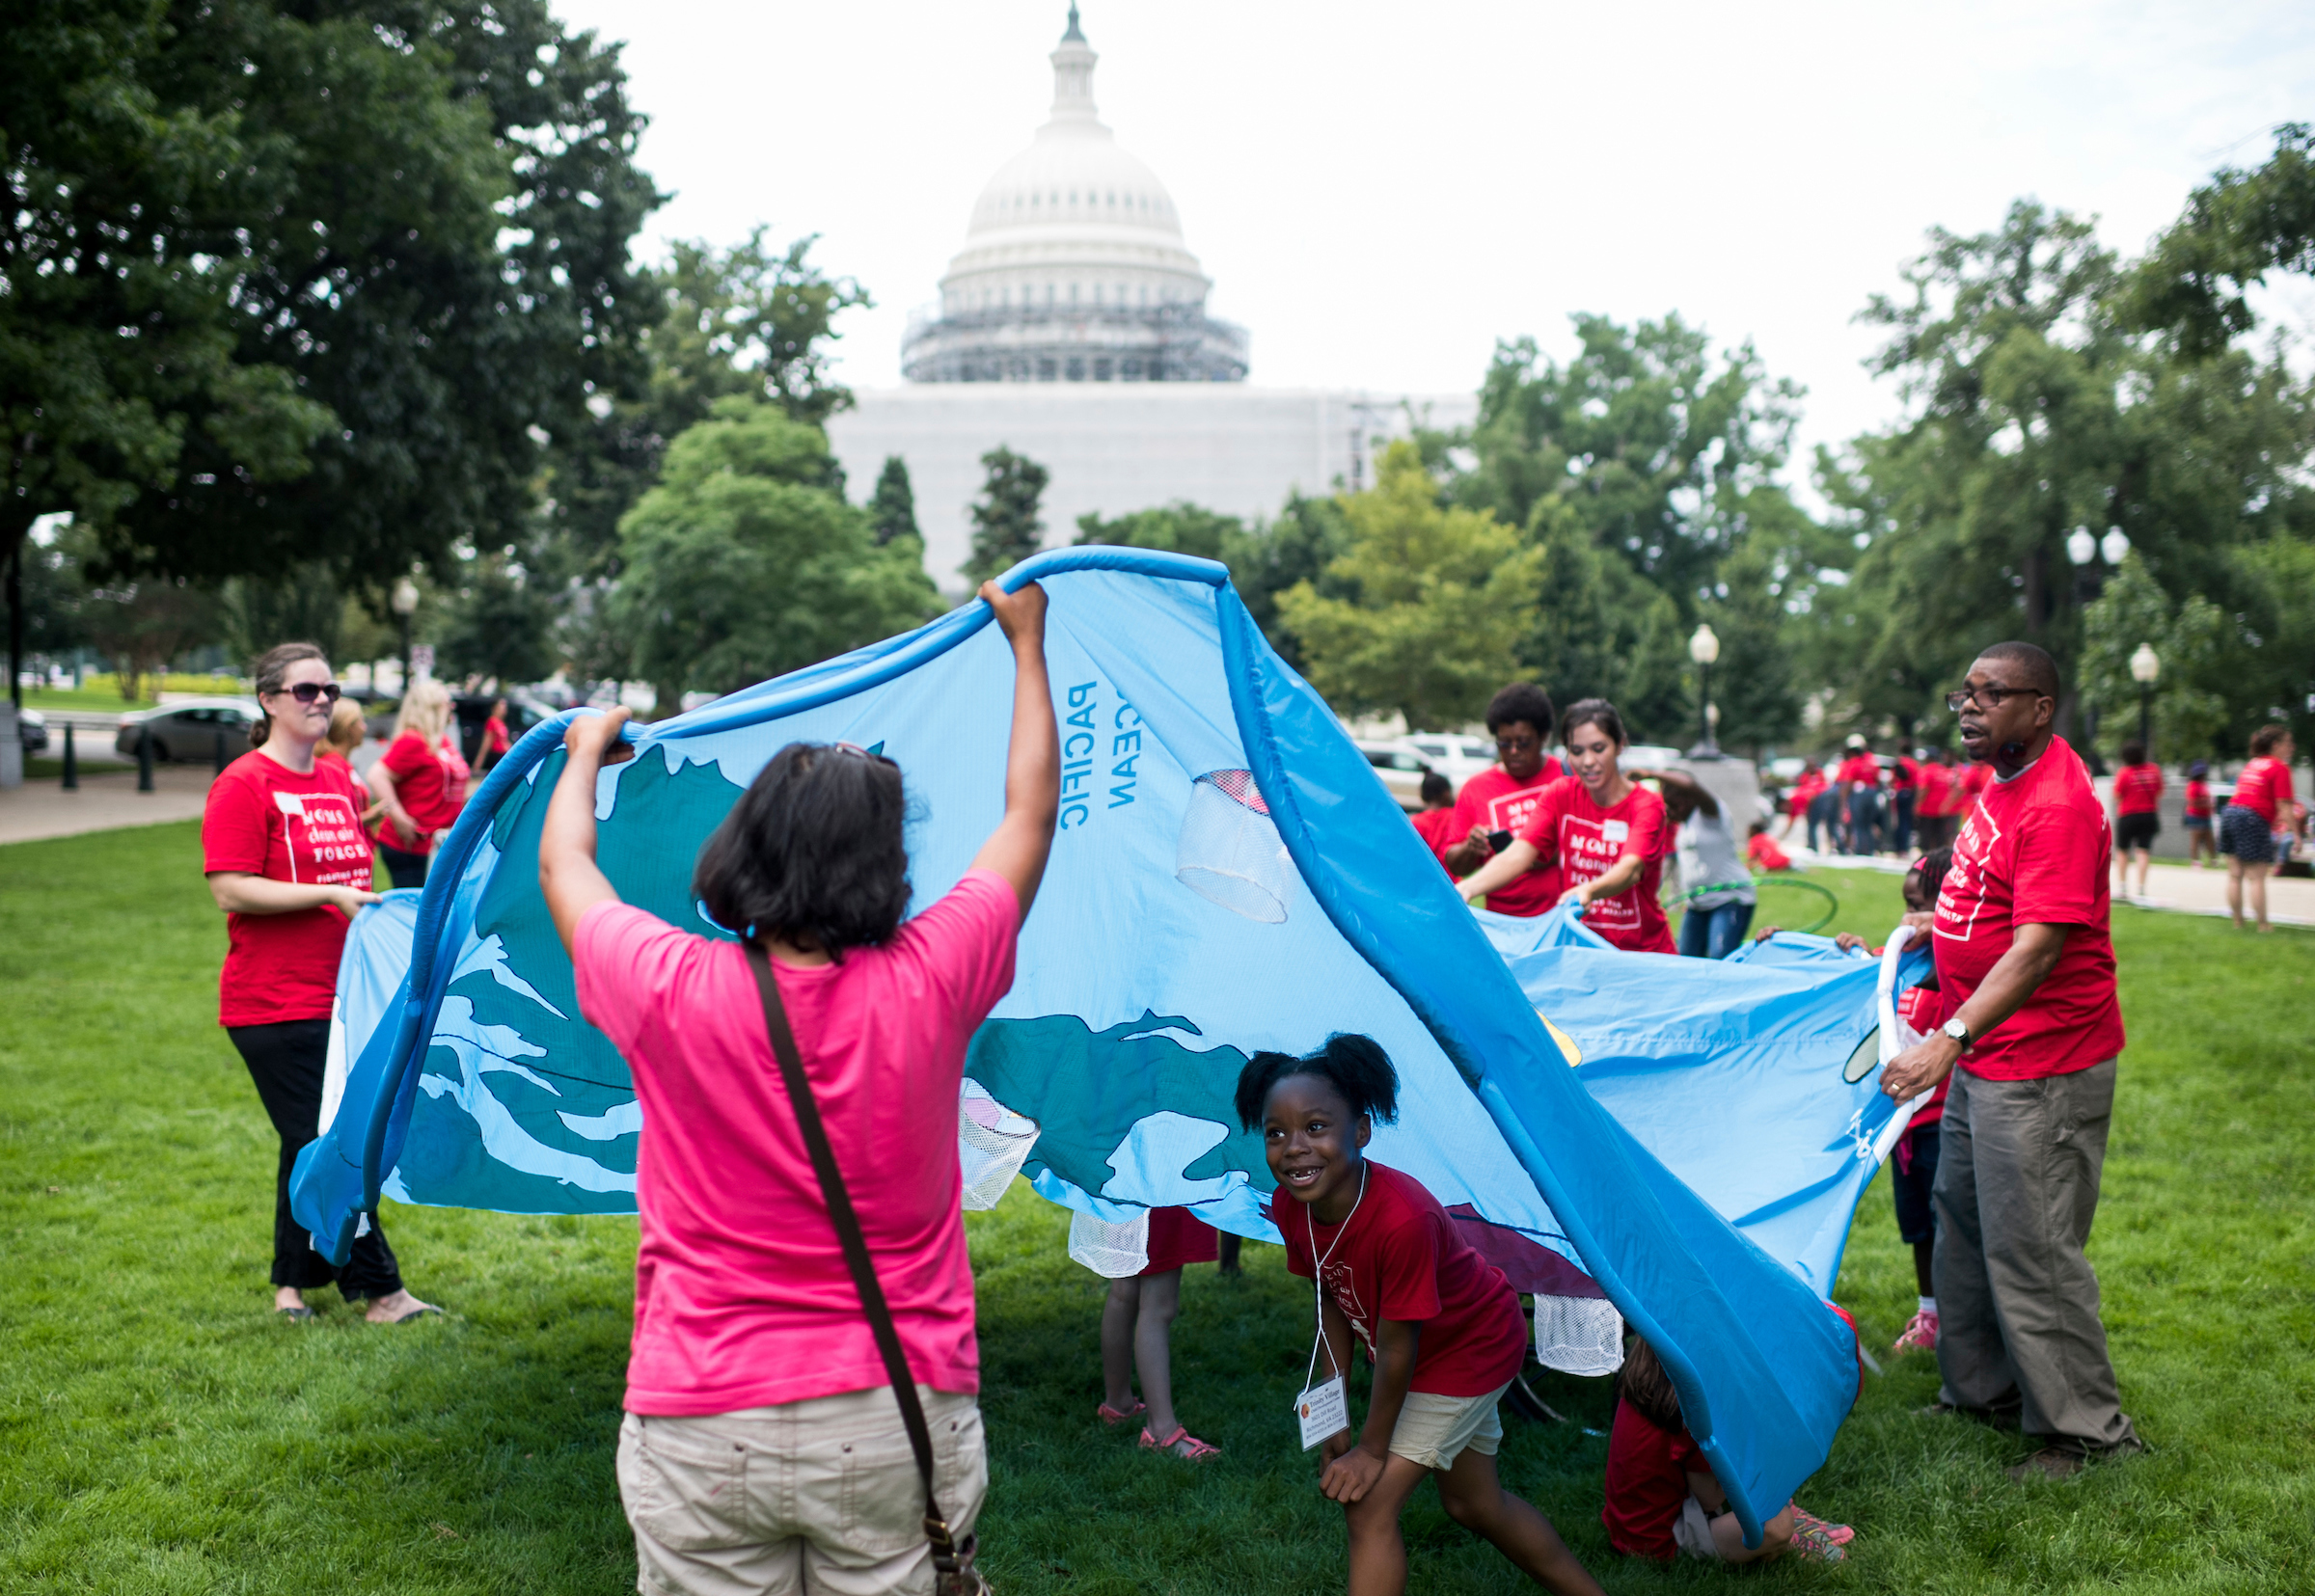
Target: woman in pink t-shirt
762,1441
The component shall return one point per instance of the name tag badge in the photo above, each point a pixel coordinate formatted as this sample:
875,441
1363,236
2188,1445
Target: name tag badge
1323,1411
1614,831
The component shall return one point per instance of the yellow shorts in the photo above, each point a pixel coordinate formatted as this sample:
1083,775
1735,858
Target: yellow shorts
1434,1430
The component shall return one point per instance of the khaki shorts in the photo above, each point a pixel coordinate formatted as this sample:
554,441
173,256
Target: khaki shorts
1434,1430
823,1492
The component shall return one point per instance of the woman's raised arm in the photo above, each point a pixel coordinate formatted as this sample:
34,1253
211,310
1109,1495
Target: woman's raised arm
1018,848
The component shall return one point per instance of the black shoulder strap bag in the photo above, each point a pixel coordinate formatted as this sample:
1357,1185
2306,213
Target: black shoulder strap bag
952,1560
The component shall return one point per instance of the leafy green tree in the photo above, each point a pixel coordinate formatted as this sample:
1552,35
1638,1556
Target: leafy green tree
743,563
120,314
1006,529
500,626
2188,639
745,319
892,507
1180,528
429,238
307,605
1441,597
2237,228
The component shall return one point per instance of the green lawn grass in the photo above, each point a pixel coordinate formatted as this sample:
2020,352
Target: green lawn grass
159,1431
101,690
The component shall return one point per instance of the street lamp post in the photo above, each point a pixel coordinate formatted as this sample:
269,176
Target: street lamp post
1704,647
405,604
2144,668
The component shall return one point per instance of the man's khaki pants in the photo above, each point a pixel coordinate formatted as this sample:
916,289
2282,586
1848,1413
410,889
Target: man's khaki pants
819,1494
2017,1187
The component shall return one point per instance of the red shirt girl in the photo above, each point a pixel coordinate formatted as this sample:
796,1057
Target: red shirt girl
422,781
2138,789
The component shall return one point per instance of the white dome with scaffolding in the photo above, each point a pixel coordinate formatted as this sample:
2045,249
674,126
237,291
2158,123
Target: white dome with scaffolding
1074,267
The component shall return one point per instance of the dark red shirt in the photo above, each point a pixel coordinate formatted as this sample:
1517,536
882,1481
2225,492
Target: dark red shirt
263,819
1494,800
1399,1256
2138,789
1589,841
1647,1484
432,784
2035,850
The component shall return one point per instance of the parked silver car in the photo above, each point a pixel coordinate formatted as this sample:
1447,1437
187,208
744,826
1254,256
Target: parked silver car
188,730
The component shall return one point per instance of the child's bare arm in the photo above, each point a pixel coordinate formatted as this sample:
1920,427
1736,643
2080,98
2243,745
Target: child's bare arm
1353,1475
1728,1535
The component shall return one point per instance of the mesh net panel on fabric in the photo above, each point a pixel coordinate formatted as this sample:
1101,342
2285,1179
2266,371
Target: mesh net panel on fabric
1230,852
1111,1251
992,1142
1578,1334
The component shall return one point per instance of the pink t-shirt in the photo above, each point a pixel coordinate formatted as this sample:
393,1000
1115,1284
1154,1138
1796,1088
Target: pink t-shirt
741,1299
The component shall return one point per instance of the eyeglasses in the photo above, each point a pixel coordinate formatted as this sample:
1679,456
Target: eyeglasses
1988,697
1513,743
305,692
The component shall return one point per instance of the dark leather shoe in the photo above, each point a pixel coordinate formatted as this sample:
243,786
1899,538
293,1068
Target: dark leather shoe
2050,1463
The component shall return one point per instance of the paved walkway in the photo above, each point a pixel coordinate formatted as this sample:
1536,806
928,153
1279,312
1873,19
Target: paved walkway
2178,888
107,800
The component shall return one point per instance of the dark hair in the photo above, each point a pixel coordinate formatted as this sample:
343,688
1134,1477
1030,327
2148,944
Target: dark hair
1520,701
2264,739
270,668
812,853
2035,664
1595,711
1932,868
2198,770
1354,1065
1642,1382
1437,787
2134,753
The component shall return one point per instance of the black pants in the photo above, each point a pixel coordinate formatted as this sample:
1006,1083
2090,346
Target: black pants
285,1061
404,869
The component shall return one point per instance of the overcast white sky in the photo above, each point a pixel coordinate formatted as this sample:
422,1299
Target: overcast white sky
1381,192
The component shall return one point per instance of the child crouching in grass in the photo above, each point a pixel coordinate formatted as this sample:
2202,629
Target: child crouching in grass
1662,1498
1443,1324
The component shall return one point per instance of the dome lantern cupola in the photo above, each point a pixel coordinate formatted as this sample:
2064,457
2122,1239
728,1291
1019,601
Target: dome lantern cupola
1074,267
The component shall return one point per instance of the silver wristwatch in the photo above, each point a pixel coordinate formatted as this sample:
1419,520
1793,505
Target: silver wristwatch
1959,1032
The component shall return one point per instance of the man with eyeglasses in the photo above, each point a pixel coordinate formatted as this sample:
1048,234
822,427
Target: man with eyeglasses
1497,804
2019,933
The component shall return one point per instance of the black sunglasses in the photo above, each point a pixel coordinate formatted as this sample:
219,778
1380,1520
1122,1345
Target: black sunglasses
305,692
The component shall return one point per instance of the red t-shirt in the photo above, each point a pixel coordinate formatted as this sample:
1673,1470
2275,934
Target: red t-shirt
432,784
1974,779
1804,791
2263,788
1647,1484
2138,789
494,736
1908,773
1937,791
1761,848
1436,828
263,819
1494,800
2198,799
1587,841
742,1298
1862,768
2035,850
1399,1256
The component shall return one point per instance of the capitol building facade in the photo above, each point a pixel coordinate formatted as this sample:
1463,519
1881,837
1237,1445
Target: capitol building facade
1072,328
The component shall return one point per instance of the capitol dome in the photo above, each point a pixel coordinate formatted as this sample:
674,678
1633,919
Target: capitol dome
1074,269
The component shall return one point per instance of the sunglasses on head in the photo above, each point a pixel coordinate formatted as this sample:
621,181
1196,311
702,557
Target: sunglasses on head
305,692
876,753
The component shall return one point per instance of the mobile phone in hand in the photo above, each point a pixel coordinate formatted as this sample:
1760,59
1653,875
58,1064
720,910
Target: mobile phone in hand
1498,841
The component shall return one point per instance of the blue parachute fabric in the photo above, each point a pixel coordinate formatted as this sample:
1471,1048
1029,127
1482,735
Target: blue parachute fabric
1229,875
1682,1049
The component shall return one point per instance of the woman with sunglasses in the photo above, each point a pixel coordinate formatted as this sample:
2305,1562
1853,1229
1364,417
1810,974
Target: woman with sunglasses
283,848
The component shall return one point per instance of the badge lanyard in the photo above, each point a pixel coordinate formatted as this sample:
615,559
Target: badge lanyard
1325,1410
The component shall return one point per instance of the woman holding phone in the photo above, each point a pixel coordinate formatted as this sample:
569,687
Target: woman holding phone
1608,834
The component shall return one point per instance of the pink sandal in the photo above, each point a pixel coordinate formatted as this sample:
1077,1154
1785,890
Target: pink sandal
1199,1451
1114,1416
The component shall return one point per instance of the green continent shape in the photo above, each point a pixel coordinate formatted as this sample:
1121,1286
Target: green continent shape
1087,1089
